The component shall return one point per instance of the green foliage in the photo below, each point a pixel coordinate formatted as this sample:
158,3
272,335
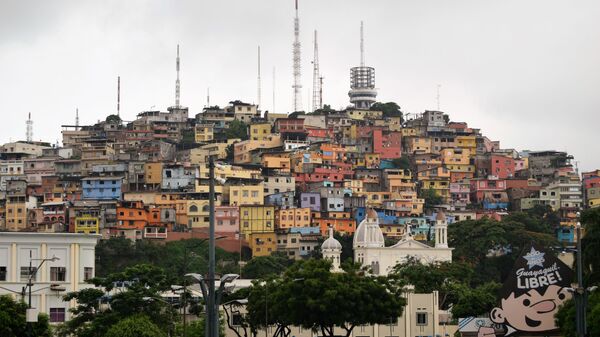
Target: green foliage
470,301
475,240
198,328
136,326
264,266
309,295
13,322
402,163
427,278
229,150
188,136
177,257
431,197
389,109
113,119
565,317
326,110
237,129
590,219
138,286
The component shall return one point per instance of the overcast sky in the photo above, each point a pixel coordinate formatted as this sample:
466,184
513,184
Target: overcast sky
526,72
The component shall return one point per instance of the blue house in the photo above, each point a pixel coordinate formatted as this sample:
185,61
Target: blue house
102,188
565,234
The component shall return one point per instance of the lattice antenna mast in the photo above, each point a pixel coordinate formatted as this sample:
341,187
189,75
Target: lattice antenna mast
119,96
177,83
76,118
297,69
258,80
438,97
208,97
362,45
29,131
316,97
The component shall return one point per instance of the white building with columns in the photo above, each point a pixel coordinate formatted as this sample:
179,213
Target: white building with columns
73,263
370,251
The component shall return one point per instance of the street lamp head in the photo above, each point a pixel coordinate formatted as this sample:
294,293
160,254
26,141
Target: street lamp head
228,278
195,276
54,258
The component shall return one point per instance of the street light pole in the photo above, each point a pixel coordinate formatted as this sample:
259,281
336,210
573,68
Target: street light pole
581,292
212,325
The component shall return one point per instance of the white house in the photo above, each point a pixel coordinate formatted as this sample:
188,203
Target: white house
369,246
68,261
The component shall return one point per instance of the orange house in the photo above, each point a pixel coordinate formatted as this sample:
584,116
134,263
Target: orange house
340,221
132,215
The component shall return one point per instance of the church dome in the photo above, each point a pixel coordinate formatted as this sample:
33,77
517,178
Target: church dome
440,216
331,243
368,233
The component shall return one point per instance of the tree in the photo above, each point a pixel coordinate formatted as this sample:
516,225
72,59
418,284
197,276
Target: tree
137,287
176,258
229,150
264,266
590,219
135,326
491,247
113,119
469,302
308,294
402,163
326,110
389,109
431,197
13,322
565,317
237,129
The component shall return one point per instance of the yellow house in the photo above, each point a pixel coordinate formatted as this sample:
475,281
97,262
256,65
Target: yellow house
260,131
16,213
409,132
262,244
153,173
201,154
438,179
419,145
243,150
360,114
246,195
203,133
87,224
467,142
376,199
399,180
294,217
257,219
198,213
276,161
355,185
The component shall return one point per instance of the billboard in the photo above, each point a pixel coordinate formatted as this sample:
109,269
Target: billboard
532,293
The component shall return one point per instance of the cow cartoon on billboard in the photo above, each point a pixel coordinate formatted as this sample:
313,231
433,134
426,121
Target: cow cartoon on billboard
532,293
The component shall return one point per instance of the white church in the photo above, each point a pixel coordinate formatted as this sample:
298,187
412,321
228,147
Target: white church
370,251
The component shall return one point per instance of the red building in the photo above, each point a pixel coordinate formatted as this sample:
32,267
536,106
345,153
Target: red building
388,144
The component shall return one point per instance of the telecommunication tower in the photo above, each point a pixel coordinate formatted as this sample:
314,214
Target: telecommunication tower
177,83
29,132
297,68
362,80
258,80
316,96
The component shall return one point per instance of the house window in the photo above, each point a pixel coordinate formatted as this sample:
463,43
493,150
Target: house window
88,273
2,273
421,318
58,274
25,271
57,314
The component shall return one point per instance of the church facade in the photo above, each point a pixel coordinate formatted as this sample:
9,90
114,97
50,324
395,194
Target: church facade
370,250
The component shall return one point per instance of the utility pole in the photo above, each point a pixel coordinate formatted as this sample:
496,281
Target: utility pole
580,292
213,320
